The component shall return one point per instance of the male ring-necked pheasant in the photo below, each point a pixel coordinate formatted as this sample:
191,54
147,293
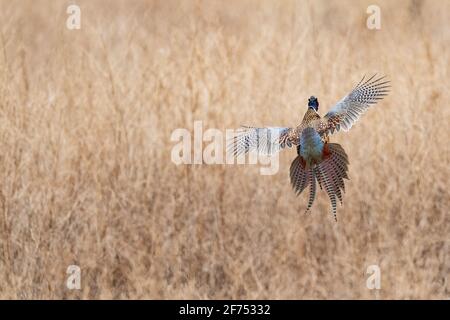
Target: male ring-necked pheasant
317,158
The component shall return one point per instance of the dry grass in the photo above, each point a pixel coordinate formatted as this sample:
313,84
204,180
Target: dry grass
85,170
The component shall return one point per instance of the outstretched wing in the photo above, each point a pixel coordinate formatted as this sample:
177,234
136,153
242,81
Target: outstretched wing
266,141
347,111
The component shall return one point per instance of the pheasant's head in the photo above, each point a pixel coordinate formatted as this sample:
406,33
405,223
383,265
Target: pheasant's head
313,103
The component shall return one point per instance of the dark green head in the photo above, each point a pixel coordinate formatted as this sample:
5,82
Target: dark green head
313,103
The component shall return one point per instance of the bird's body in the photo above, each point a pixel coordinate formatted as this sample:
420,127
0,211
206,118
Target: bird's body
317,159
311,146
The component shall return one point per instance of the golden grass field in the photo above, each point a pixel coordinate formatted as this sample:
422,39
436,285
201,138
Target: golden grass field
86,176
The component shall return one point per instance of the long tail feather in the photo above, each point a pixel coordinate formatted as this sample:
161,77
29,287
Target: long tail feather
333,171
312,190
330,174
301,177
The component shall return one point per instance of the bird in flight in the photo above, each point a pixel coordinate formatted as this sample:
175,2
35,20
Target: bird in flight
318,160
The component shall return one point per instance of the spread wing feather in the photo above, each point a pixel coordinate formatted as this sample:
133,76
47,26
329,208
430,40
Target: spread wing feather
347,111
267,141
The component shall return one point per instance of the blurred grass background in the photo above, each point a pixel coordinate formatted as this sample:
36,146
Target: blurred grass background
85,170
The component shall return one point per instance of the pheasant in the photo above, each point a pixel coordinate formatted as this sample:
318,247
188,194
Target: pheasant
317,159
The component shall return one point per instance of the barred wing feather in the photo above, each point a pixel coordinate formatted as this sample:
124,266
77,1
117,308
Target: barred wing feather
347,111
266,141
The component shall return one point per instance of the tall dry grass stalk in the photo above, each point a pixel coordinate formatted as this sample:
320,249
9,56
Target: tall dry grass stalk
85,170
